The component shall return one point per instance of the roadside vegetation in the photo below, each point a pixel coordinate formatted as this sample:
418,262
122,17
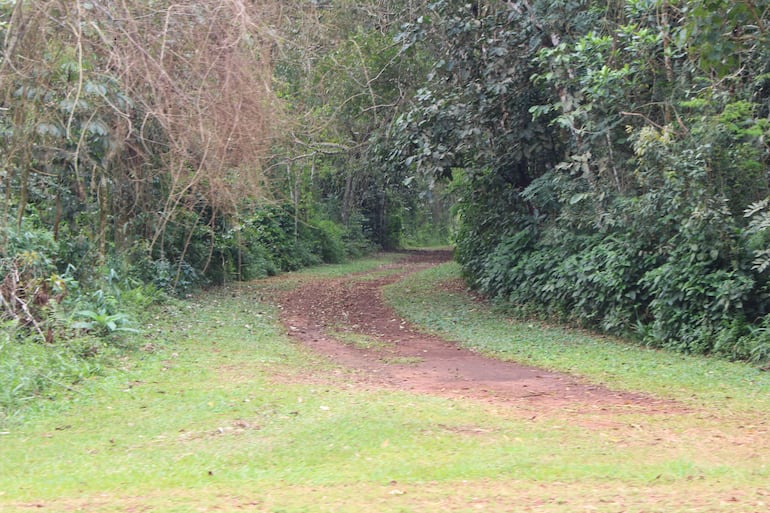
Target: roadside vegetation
610,160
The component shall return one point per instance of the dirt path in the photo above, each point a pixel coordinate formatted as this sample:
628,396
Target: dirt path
348,321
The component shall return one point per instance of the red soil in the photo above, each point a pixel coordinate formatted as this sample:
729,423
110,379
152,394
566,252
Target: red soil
394,354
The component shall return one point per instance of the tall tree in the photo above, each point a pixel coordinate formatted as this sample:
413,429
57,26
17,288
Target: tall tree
608,152
345,76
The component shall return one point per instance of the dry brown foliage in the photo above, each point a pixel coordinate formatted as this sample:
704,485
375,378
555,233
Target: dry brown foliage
201,116
202,70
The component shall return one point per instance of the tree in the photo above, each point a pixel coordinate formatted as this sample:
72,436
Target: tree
607,154
133,116
344,78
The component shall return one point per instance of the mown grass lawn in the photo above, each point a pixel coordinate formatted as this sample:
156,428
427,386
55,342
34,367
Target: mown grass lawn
225,413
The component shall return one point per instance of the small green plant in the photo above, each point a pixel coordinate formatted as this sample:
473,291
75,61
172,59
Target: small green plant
107,310
102,323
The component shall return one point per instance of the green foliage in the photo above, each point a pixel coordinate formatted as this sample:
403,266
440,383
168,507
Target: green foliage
349,75
30,288
466,116
171,278
331,245
54,330
669,263
100,321
263,240
356,240
758,233
614,162
393,232
726,36
58,330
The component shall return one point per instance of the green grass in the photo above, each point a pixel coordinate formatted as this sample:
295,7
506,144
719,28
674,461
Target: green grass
358,340
227,413
403,360
35,377
354,267
426,301
362,268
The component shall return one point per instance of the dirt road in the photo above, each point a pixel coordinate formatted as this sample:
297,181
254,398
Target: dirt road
347,320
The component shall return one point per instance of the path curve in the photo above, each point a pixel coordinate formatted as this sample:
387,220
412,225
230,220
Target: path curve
347,320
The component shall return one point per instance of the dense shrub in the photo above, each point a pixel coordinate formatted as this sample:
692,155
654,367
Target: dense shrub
614,172
262,240
329,241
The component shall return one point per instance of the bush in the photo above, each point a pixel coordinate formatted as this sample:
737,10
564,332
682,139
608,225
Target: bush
329,237
394,231
671,265
30,289
355,239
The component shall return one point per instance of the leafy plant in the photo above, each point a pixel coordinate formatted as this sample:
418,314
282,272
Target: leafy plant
605,167
101,322
758,233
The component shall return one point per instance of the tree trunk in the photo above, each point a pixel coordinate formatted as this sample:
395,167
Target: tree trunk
23,194
103,216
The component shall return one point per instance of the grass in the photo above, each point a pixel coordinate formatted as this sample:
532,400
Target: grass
227,413
358,340
34,376
363,268
364,265
403,360
432,300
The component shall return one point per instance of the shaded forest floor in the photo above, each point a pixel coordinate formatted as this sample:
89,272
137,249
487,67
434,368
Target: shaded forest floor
308,393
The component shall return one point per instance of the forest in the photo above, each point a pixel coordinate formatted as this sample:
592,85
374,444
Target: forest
598,164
